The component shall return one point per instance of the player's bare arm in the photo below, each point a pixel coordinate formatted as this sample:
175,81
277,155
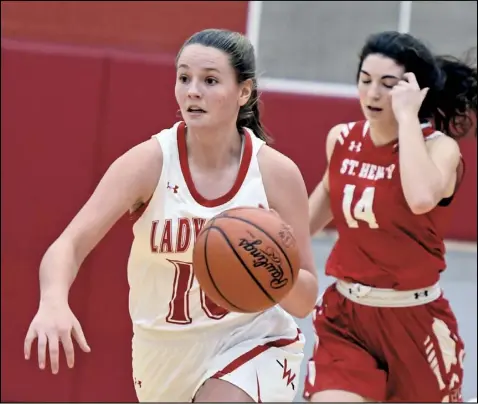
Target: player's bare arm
287,195
320,213
427,169
130,179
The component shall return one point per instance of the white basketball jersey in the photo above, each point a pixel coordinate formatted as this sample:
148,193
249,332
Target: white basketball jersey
164,294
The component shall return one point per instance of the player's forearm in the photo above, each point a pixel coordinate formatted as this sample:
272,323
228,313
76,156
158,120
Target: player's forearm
302,298
58,270
420,177
320,213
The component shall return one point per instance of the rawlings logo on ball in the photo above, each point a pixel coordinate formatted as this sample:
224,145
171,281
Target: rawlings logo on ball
267,259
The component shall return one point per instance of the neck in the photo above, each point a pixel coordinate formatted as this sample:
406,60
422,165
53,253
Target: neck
212,149
383,132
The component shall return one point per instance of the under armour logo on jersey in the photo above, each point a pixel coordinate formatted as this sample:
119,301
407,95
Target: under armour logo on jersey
355,146
174,189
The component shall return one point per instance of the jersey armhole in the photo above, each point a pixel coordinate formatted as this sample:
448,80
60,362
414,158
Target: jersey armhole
135,215
460,173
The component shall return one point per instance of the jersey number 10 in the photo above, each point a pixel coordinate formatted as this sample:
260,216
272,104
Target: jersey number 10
363,209
179,309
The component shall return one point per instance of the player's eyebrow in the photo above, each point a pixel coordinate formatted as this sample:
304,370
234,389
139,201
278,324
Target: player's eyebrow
185,66
387,76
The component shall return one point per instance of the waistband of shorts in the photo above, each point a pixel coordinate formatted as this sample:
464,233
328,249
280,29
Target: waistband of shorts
377,297
186,334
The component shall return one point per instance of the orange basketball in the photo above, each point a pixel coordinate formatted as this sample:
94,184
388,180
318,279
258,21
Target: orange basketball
246,259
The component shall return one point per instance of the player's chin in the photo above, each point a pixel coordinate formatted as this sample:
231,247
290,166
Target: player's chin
198,120
374,115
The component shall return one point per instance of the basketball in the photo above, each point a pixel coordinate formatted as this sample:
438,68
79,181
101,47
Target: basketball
246,259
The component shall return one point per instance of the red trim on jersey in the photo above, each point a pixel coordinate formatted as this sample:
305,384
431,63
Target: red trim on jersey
241,175
257,350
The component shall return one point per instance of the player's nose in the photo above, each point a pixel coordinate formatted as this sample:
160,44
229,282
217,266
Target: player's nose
373,92
194,90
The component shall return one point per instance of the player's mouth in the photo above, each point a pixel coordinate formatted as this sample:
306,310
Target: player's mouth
196,110
374,109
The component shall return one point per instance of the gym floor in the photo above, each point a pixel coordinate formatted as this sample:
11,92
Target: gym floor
459,282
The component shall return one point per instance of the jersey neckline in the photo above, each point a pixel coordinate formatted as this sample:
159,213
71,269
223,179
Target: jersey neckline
427,130
241,174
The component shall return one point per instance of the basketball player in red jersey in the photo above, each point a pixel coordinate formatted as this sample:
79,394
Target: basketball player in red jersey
184,346
384,330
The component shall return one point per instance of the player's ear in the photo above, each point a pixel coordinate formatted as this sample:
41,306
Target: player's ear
245,91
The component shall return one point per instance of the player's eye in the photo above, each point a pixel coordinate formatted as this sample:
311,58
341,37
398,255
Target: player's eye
183,78
211,81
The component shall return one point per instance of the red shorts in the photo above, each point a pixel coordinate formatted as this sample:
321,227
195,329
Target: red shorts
386,354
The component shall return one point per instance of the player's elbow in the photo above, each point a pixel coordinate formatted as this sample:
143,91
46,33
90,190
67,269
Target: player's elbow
301,300
424,197
304,312
421,205
299,310
421,200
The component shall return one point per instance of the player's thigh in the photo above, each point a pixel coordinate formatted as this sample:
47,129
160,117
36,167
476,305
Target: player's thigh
428,366
218,391
341,367
164,372
265,370
338,396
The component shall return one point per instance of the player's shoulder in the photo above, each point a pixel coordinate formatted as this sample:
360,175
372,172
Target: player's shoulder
345,129
273,163
143,154
273,160
440,139
339,132
281,177
443,150
169,133
145,159
161,143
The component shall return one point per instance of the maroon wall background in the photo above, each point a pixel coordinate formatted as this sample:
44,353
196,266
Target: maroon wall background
67,113
144,26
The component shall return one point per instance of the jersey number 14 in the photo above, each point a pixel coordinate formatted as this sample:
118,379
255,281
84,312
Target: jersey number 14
363,209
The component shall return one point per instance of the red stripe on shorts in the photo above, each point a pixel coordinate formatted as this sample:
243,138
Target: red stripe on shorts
257,350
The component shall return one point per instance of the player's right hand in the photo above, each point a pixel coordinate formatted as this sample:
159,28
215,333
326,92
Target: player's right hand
54,325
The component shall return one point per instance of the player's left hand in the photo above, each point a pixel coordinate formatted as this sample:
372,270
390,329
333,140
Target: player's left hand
407,97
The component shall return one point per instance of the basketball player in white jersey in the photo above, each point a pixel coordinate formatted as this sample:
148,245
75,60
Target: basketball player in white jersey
184,346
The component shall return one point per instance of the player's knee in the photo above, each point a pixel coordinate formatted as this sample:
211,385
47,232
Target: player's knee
219,391
338,396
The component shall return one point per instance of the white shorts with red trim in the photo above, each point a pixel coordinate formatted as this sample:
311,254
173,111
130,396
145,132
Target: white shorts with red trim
262,358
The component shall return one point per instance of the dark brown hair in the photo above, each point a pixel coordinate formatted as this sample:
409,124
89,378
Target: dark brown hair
451,98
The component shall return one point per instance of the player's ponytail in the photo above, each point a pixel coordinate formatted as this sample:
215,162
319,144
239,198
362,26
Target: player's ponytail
456,100
249,116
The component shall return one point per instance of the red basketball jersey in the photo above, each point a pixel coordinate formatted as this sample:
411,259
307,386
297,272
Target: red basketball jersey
381,242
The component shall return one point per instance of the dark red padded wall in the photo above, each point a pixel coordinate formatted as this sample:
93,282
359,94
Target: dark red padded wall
50,111
145,26
139,103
